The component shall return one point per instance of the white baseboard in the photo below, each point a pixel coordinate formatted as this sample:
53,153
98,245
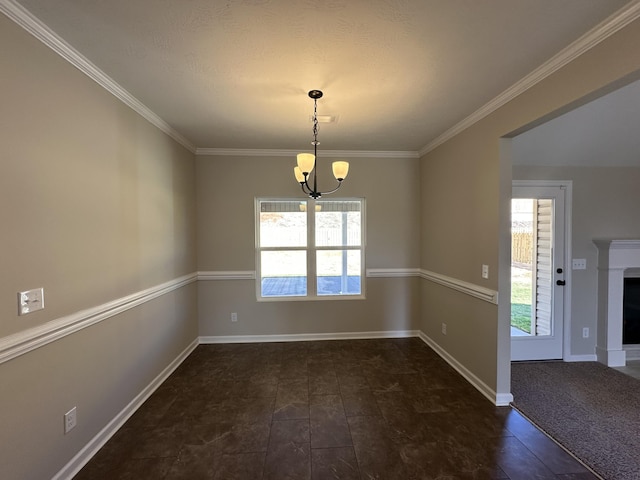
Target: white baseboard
307,337
632,352
498,399
97,442
89,450
581,358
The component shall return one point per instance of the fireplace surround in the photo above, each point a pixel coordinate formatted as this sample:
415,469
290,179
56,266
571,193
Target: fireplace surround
631,312
617,259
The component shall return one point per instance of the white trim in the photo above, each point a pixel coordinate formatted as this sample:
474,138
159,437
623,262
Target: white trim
392,272
23,342
542,183
503,399
96,443
227,275
567,186
472,289
581,358
252,152
604,30
499,399
627,244
631,352
42,32
308,337
614,258
568,271
251,274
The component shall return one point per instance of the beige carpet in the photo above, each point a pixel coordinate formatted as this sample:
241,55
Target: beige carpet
590,409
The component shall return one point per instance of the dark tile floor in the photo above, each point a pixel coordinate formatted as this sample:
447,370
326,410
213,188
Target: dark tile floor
359,409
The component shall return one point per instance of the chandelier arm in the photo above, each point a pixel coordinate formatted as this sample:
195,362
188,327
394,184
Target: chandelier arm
314,193
331,191
306,188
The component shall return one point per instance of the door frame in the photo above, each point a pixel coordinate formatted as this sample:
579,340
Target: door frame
567,186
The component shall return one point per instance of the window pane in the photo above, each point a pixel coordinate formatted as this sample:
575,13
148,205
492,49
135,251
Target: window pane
338,272
338,223
283,273
283,223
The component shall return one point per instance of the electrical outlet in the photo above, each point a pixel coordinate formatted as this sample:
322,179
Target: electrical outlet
579,264
234,317
585,332
444,328
30,301
485,271
70,420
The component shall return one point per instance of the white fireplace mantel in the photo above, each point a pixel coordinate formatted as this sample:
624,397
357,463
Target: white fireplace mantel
614,257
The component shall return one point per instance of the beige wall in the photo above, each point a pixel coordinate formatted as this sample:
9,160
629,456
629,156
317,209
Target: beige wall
605,205
465,186
97,204
227,187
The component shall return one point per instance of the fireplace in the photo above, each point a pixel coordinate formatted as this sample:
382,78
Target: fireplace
618,263
631,311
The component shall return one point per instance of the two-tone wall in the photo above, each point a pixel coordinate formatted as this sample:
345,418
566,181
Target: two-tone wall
98,208
465,197
227,188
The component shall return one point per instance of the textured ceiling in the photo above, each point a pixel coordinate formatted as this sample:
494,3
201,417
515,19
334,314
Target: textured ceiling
397,73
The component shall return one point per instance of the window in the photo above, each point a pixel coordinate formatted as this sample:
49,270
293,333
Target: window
309,248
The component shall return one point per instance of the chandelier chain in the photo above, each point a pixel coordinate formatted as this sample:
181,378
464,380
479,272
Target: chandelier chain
307,163
315,123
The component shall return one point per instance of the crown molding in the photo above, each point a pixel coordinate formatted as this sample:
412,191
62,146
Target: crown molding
600,32
249,152
18,14
35,27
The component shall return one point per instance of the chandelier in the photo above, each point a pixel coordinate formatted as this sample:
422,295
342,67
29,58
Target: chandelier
307,162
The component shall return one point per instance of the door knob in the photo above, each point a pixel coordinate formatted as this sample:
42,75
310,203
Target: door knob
561,282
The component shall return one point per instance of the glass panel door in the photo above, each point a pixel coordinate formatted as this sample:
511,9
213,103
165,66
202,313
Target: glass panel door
537,272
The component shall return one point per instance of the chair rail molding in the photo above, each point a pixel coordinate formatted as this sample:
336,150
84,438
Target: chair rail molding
468,288
227,275
251,274
23,342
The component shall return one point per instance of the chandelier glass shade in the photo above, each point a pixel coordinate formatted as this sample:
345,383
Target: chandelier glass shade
307,162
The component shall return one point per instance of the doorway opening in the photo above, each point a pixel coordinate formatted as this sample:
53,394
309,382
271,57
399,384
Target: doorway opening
537,270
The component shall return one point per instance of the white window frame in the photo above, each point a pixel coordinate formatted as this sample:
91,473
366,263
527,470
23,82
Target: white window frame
311,250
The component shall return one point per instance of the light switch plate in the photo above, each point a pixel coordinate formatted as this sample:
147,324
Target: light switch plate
70,420
30,301
579,264
485,271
